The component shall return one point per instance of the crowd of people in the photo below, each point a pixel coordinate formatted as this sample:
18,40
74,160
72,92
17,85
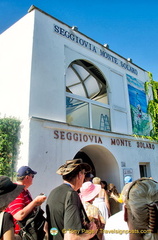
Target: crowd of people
80,209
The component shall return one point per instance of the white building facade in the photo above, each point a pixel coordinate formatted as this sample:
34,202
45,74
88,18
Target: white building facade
74,98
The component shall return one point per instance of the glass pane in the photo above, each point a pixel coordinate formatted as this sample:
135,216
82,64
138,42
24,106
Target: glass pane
77,112
91,86
143,170
85,80
101,118
71,77
78,90
102,99
81,71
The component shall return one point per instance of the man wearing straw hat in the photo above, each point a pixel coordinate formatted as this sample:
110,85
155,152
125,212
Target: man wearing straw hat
65,213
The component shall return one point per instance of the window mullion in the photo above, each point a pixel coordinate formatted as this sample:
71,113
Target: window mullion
90,115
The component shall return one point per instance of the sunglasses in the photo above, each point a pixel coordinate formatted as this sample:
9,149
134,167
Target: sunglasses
31,175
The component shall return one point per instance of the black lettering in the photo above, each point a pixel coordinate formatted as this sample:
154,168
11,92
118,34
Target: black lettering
99,140
91,138
86,44
62,135
113,141
80,137
85,138
67,34
56,134
75,135
68,135
62,31
56,28
94,49
72,37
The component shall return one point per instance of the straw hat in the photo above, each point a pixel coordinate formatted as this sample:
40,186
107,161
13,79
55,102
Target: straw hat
8,191
71,165
88,191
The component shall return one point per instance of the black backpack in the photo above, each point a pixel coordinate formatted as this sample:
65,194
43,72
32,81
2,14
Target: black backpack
32,226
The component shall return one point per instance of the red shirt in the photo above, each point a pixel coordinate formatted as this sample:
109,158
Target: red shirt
18,204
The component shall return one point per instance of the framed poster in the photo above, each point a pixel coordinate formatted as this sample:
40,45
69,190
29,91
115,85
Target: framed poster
127,175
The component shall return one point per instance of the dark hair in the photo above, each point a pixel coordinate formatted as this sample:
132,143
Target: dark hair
69,177
105,184
20,178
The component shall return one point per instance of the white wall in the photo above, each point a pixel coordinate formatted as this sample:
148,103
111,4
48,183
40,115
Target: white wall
33,63
47,97
48,151
15,67
15,70
52,54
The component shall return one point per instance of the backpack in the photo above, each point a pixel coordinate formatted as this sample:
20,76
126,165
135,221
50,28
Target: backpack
32,226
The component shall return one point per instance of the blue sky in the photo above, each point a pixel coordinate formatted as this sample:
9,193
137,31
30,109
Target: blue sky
129,27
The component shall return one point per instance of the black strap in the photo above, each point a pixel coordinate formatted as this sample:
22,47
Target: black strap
1,221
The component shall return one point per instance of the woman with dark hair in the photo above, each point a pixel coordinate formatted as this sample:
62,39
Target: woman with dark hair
104,185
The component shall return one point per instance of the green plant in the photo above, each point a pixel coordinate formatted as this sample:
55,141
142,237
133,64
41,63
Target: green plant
153,105
9,140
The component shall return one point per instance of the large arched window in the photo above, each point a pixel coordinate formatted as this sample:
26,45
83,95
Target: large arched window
86,96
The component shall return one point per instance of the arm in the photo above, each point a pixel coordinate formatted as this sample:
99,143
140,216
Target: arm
107,203
84,236
21,214
9,235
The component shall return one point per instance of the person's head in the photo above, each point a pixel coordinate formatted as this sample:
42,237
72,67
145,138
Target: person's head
89,191
25,175
96,180
141,208
8,191
112,190
88,177
104,185
73,171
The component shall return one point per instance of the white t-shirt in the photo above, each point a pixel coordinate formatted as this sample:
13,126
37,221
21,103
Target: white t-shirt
116,228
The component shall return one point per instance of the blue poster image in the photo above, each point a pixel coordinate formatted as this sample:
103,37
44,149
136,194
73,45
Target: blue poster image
138,106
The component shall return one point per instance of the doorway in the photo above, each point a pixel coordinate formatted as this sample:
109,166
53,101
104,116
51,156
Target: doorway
104,166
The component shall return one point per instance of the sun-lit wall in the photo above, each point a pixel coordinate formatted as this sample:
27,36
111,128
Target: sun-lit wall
35,55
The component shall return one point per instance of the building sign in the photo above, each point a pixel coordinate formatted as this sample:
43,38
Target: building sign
84,137
128,143
100,51
120,142
78,137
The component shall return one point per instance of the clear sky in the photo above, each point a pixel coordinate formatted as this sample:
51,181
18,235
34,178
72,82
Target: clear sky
129,27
